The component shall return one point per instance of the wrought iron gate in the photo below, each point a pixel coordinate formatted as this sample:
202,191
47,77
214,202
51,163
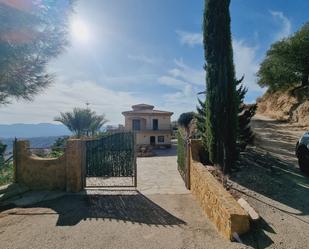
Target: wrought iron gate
112,158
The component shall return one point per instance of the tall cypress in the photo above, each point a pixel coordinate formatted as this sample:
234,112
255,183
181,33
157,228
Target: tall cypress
221,100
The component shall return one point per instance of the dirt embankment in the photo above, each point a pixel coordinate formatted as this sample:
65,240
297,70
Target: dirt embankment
285,106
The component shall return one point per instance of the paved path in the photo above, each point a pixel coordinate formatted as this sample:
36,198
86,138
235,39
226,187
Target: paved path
159,174
162,214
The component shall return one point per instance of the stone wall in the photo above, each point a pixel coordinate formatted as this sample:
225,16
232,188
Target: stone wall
64,173
218,204
75,158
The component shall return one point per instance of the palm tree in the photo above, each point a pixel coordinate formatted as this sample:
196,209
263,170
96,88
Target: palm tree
82,121
97,122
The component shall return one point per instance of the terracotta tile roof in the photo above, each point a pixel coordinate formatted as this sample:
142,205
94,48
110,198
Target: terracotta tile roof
145,109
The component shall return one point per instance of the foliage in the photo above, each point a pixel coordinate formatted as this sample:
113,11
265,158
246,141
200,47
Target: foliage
201,122
56,153
181,156
2,151
287,62
185,119
30,35
58,147
6,174
82,122
221,100
60,142
245,134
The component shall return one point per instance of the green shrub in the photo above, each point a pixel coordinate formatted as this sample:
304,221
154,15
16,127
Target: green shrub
6,174
58,147
56,153
2,151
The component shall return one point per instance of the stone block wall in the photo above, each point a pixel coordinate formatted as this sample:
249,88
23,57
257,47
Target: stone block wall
75,151
218,204
63,173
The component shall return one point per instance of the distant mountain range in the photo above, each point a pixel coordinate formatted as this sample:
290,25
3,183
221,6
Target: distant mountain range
35,142
40,135
32,130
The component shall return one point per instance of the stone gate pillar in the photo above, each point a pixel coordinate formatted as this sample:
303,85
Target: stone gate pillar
75,157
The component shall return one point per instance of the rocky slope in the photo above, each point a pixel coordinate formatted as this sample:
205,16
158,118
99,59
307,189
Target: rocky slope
283,105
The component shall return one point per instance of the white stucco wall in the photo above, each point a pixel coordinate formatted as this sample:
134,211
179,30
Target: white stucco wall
144,138
164,121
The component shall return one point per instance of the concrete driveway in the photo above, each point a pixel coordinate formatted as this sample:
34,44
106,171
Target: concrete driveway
161,214
159,174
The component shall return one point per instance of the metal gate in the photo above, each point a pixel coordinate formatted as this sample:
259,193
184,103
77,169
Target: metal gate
111,161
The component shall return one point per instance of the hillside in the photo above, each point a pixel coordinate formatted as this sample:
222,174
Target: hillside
282,105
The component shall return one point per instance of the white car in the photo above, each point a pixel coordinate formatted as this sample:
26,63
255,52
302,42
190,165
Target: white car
302,153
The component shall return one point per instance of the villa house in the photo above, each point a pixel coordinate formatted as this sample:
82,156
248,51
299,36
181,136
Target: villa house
152,127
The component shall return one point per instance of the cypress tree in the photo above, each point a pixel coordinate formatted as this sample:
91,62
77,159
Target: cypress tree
201,122
245,134
221,100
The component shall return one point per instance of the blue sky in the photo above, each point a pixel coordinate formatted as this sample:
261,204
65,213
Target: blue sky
126,52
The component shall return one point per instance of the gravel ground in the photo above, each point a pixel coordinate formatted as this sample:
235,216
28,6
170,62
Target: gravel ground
272,183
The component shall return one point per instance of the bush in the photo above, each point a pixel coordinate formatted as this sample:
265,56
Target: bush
6,174
2,150
56,153
58,147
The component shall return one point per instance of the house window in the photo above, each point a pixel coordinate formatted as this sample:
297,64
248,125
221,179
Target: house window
136,124
161,139
155,124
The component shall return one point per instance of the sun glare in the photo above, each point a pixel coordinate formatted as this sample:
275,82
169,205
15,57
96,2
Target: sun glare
80,31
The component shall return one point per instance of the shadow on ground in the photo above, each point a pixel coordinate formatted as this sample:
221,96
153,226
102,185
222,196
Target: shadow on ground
270,169
278,180
274,178
134,208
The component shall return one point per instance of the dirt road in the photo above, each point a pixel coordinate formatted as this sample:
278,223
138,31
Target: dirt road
277,138
269,178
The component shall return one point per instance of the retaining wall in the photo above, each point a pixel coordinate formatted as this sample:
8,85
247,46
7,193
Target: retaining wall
218,204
